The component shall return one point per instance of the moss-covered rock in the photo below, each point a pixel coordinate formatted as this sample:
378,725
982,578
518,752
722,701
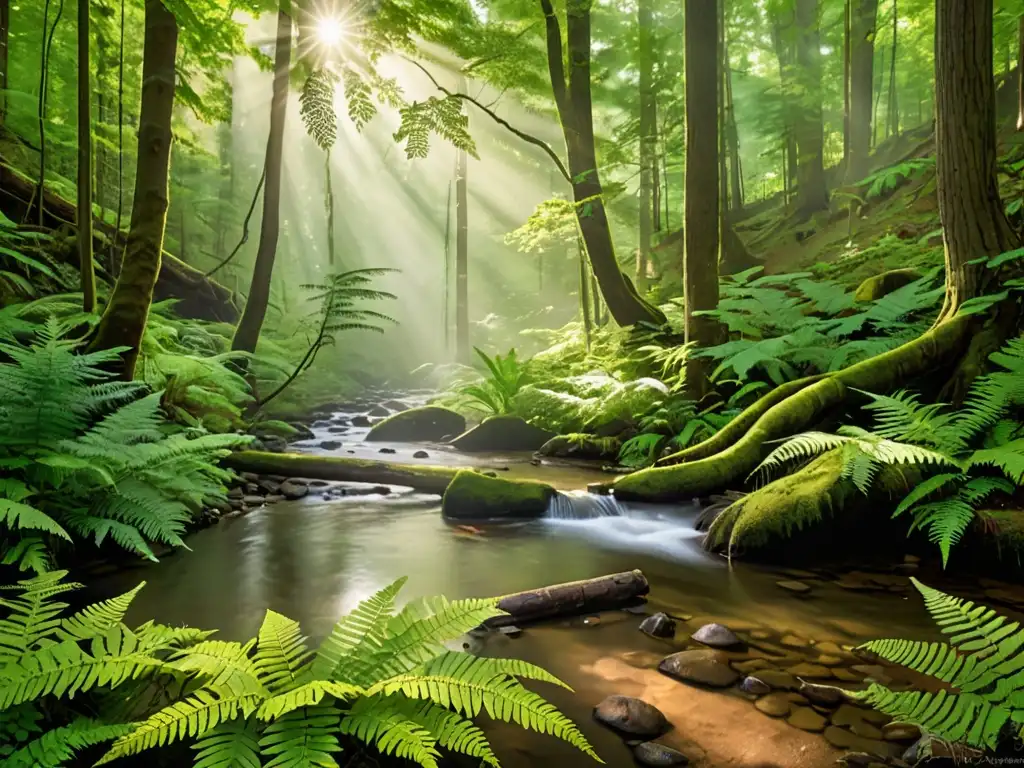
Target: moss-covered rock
426,424
880,285
549,409
581,446
475,496
502,433
812,512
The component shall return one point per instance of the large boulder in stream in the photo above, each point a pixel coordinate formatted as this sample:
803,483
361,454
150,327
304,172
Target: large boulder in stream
475,496
581,446
417,425
502,433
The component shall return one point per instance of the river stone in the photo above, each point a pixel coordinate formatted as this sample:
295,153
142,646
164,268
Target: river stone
658,625
431,423
826,695
752,665
631,715
842,673
805,669
475,496
252,501
778,679
658,755
581,447
806,719
844,739
900,732
421,455
387,450
395,405
337,430
710,668
361,421
716,635
378,410
797,587
330,445
773,705
502,433
792,641
292,489
867,730
754,686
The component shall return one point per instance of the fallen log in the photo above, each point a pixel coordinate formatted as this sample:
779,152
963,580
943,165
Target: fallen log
419,477
601,594
199,297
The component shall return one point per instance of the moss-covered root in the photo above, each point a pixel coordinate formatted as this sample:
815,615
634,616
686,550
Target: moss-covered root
940,346
473,496
420,477
760,521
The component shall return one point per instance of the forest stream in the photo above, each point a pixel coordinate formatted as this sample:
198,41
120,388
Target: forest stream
316,558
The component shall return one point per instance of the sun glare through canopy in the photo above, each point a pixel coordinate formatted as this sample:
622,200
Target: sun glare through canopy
330,31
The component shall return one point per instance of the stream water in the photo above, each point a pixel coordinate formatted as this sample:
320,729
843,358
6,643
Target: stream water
316,559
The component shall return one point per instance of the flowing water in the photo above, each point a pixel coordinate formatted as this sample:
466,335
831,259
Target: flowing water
315,559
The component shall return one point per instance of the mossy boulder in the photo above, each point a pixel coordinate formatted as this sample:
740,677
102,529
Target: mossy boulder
551,409
427,424
878,286
475,496
813,513
502,433
581,446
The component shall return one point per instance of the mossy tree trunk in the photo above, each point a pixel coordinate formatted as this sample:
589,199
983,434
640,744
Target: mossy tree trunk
974,226
462,350
973,220
87,271
124,319
647,139
5,24
575,112
812,193
701,204
248,332
863,14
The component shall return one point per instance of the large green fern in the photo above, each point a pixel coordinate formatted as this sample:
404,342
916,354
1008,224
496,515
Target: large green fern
981,668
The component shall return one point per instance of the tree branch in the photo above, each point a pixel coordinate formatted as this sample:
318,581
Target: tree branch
556,66
500,121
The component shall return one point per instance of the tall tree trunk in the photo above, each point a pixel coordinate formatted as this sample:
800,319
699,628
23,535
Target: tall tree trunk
462,350
5,25
656,177
575,112
248,332
124,318
723,153
781,16
878,97
846,85
973,222
87,272
648,139
863,15
581,252
701,210
1020,74
812,194
893,109
735,165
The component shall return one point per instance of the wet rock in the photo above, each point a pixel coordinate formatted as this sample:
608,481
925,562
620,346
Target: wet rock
829,661
627,714
751,665
318,483
330,445
760,634
293,489
474,496
236,493
797,587
658,625
850,715
361,421
337,430
658,755
510,631
252,501
378,410
581,447
755,686
806,719
710,668
274,444
875,671
268,486
421,455
774,705
252,489
844,739
828,647
806,669
792,641
250,477
866,729
321,424
273,498
900,732
430,423
395,406
826,695
341,421
841,673
716,636
387,450
502,433
778,680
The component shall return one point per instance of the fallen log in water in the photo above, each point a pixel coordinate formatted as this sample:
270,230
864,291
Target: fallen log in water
419,477
600,594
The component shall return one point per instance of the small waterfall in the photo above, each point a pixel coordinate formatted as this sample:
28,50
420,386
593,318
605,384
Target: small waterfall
580,505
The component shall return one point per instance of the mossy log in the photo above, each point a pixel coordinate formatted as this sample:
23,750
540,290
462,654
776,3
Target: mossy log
764,522
424,478
475,496
727,468
877,286
586,596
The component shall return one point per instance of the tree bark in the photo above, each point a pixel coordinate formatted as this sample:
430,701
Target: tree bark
812,194
5,25
584,291
892,117
575,111
124,319
462,350
846,85
863,14
248,332
733,136
648,117
87,273
782,21
601,594
974,224
1020,74
701,209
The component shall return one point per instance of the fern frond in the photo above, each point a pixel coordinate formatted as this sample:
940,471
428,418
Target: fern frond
280,652
232,744
59,745
306,695
799,448
316,106
97,619
32,614
392,733
302,738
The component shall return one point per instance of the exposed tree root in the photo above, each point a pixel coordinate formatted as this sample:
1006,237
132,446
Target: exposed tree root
939,348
